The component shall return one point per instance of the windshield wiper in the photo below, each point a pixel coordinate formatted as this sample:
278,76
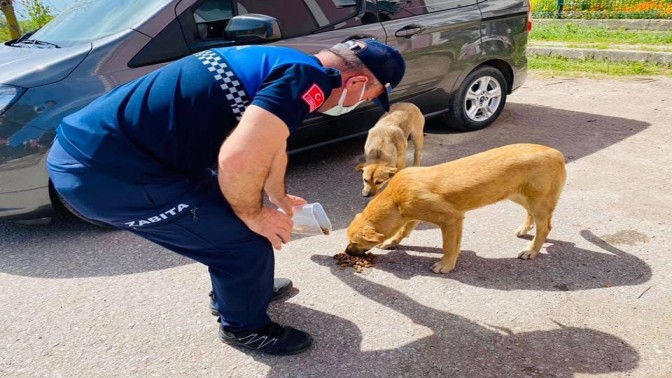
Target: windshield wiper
25,36
35,42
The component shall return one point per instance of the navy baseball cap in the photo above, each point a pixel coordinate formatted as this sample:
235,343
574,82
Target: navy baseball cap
385,62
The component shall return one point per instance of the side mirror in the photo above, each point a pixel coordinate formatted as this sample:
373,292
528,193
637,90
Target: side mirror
253,27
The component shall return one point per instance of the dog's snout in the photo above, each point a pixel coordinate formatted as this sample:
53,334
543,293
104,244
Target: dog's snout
370,191
352,250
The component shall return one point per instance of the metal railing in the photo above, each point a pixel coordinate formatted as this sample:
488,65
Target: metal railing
601,9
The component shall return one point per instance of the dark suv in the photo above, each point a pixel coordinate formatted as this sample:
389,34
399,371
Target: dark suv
463,58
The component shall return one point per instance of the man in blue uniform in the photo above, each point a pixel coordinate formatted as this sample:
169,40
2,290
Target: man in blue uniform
139,159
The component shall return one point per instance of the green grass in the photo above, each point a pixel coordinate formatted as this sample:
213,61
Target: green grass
592,67
599,38
571,33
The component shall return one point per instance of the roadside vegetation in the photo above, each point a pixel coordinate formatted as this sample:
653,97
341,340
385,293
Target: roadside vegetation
14,21
574,36
602,9
26,26
4,34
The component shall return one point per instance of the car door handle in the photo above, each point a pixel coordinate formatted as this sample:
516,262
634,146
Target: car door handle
408,31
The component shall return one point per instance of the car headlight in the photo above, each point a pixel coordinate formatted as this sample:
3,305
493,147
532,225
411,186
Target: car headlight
8,94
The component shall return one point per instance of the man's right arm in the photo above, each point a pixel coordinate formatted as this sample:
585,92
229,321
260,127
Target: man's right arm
244,163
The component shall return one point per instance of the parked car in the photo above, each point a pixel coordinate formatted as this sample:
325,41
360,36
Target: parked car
463,58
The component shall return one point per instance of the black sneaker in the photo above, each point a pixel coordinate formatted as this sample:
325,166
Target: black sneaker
271,339
281,287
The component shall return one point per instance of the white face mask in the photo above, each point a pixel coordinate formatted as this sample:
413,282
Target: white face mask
340,109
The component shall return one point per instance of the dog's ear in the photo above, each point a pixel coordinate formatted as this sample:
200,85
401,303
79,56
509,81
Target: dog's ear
391,171
360,167
369,234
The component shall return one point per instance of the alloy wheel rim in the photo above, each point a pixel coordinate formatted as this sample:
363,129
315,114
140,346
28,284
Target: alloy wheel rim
483,98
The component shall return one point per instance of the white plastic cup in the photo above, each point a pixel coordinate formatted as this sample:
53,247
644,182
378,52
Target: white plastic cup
310,219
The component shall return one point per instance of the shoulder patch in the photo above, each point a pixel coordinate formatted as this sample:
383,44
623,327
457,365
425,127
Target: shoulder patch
314,97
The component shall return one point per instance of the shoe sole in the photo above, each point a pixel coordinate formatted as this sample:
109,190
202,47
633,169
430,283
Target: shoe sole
246,348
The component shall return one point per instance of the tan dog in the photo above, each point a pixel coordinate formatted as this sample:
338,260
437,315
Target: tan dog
528,174
386,145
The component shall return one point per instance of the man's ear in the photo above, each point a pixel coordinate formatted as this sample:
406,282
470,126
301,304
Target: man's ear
391,171
360,167
369,234
355,80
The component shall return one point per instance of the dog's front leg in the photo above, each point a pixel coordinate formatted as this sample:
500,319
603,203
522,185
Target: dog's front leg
401,234
418,143
401,160
452,237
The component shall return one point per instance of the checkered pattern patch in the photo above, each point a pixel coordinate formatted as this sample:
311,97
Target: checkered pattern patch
235,94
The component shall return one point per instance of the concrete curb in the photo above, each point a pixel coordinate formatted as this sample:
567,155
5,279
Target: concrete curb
611,55
659,25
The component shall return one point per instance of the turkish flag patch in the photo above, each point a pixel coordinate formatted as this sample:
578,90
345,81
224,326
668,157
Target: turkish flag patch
314,97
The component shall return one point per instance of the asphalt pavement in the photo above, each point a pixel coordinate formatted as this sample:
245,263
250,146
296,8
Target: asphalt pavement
80,301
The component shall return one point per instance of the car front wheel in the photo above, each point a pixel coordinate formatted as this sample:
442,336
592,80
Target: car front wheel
479,100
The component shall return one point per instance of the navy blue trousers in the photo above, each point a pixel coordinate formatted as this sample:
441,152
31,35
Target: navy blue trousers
187,215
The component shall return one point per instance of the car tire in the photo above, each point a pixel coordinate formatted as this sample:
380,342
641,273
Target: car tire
61,206
479,100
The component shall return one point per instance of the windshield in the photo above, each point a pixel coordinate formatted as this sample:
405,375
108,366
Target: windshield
89,20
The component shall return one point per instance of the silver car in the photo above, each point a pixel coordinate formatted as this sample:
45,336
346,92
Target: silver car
463,58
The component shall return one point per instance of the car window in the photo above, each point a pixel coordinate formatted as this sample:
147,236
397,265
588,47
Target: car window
301,17
89,20
395,9
213,11
295,17
211,18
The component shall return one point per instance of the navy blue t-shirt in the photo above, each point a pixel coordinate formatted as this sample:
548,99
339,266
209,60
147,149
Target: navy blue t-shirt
174,120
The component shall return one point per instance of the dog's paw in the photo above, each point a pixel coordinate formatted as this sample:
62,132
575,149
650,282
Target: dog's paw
527,254
441,267
389,244
522,231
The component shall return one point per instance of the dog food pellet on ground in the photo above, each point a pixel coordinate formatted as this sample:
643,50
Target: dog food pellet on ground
367,260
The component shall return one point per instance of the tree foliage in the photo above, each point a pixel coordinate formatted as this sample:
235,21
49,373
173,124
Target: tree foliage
37,12
34,15
12,24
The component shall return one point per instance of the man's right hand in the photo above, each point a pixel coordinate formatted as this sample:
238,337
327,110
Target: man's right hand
287,203
273,225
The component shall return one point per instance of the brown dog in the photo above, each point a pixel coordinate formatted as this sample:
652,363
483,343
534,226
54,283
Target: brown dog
386,145
528,174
